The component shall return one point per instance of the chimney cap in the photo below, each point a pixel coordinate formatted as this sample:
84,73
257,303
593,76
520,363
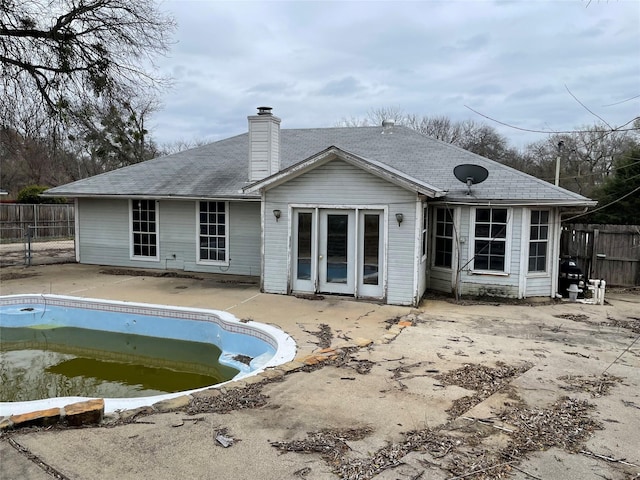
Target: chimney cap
264,110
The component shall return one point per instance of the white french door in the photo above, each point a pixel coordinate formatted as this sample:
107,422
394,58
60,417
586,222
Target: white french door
371,253
338,251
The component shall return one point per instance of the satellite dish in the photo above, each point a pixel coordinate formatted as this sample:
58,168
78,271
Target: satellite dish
470,174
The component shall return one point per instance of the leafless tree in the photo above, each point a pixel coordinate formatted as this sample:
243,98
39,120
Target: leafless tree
63,51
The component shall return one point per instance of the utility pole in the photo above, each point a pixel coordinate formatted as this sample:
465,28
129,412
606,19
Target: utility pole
560,146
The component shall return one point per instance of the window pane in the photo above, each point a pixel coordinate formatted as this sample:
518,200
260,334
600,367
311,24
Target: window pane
371,249
498,231
337,241
448,230
499,215
544,233
482,231
544,216
483,214
304,246
497,263
481,262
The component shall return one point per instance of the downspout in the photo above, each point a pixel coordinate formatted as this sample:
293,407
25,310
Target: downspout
76,222
263,209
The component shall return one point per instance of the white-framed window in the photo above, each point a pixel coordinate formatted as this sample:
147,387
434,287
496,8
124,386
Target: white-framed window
213,232
443,238
144,229
425,223
490,241
538,241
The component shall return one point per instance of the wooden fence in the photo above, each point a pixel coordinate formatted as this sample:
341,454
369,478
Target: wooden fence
609,252
45,221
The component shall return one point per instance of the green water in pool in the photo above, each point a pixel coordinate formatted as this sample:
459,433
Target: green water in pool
43,362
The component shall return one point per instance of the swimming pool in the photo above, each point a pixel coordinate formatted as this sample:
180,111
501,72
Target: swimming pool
267,346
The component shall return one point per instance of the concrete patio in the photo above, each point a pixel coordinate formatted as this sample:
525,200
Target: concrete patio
400,390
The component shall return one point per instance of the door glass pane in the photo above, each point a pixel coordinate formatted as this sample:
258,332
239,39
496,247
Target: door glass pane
337,242
304,246
371,249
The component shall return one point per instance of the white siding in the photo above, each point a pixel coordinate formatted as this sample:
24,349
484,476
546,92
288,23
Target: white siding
264,146
104,236
338,183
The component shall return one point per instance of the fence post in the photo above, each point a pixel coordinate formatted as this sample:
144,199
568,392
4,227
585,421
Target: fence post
594,255
28,252
34,234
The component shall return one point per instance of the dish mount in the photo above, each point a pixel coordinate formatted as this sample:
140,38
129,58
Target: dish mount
470,174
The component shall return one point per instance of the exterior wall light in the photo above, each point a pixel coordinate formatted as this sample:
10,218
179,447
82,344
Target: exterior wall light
277,214
399,218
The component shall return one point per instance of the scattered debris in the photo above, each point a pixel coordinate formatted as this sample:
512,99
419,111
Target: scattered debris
223,438
608,459
481,378
398,372
578,354
632,323
250,396
595,385
575,317
303,472
324,334
243,359
226,442
627,403
392,322
330,443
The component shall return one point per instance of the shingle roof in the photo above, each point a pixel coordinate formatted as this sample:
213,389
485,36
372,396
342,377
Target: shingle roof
220,169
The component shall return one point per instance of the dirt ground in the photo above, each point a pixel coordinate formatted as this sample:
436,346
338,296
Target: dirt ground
473,390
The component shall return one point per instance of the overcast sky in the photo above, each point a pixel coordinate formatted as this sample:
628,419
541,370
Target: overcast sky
316,63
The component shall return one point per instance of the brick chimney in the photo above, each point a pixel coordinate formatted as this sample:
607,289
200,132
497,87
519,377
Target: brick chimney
264,144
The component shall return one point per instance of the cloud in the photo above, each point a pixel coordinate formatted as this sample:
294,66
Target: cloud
342,87
509,59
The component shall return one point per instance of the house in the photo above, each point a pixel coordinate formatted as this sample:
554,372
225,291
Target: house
367,212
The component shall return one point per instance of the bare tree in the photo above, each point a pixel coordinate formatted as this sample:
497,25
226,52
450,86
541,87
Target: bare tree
63,51
587,157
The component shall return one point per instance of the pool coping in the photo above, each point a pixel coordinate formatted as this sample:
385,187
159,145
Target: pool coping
283,343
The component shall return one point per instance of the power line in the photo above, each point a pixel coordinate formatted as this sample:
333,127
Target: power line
604,206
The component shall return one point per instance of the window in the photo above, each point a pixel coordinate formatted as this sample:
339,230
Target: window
144,232
490,239
212,220
425,218
443,254
538,240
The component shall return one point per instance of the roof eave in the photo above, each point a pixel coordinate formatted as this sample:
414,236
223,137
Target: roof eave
247,197
521,202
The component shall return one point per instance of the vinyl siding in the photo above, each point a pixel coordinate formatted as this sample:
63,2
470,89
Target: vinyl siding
339,184
441,279
104,236
244,241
